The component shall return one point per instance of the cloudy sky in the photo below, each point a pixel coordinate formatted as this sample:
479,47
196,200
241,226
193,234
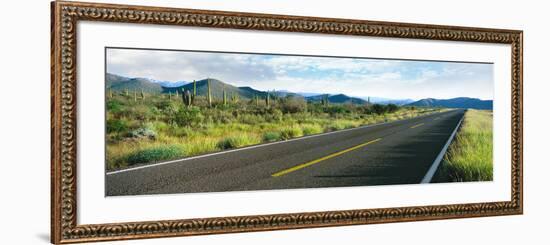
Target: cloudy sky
360,77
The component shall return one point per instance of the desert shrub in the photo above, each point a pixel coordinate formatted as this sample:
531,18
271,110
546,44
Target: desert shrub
292,104
251,119
153,154
290,132
222,116
378,109
116,125
309,129
159,126
166,105
114,106
237,141
336,109
189,116
141,112
272,136
391,108
273,115
155,112
336,125
145,132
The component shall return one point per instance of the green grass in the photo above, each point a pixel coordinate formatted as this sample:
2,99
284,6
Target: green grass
237,141
470,155
154,154
272,136
309,129
157,128
290,132
205,146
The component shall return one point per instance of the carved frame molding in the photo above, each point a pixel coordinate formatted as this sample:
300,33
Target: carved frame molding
65,16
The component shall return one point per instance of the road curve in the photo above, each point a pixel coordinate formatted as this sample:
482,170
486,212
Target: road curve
398,152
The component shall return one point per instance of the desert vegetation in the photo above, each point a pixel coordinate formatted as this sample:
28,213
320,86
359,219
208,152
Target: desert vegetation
470,155
147,127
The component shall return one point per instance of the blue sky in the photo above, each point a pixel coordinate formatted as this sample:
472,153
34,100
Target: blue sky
396,79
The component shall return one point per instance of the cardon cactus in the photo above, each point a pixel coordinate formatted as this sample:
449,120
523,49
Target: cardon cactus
188,97
209,95
224,96
194,88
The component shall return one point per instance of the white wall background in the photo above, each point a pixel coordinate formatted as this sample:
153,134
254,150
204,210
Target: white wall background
25,103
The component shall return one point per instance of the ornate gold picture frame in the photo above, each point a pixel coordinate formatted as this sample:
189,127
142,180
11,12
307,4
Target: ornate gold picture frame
64,108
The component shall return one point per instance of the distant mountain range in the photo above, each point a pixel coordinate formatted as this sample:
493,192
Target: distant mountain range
338,99
460,102
117,82
121,83
216,89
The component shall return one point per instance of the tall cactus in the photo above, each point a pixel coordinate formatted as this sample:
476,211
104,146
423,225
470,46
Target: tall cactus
127,92
135,95
234,97
209,95
224,96
177,94
170,95
194,88
188,97
325,100
267,99
110,93
183,97
256,97
142,95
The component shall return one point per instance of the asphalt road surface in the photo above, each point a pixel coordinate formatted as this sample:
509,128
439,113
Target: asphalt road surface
399,152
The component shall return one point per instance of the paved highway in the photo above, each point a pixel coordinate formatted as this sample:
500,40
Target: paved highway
399,152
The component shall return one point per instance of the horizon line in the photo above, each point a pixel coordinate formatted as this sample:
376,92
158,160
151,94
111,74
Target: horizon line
316,94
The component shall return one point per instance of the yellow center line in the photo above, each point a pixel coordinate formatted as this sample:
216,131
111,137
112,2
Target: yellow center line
417,125
303,165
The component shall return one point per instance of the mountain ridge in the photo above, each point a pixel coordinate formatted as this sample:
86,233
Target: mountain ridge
458,102
121,83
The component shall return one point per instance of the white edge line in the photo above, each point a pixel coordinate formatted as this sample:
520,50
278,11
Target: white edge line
260,145
430,174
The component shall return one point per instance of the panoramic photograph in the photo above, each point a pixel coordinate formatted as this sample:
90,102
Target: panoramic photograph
180,121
